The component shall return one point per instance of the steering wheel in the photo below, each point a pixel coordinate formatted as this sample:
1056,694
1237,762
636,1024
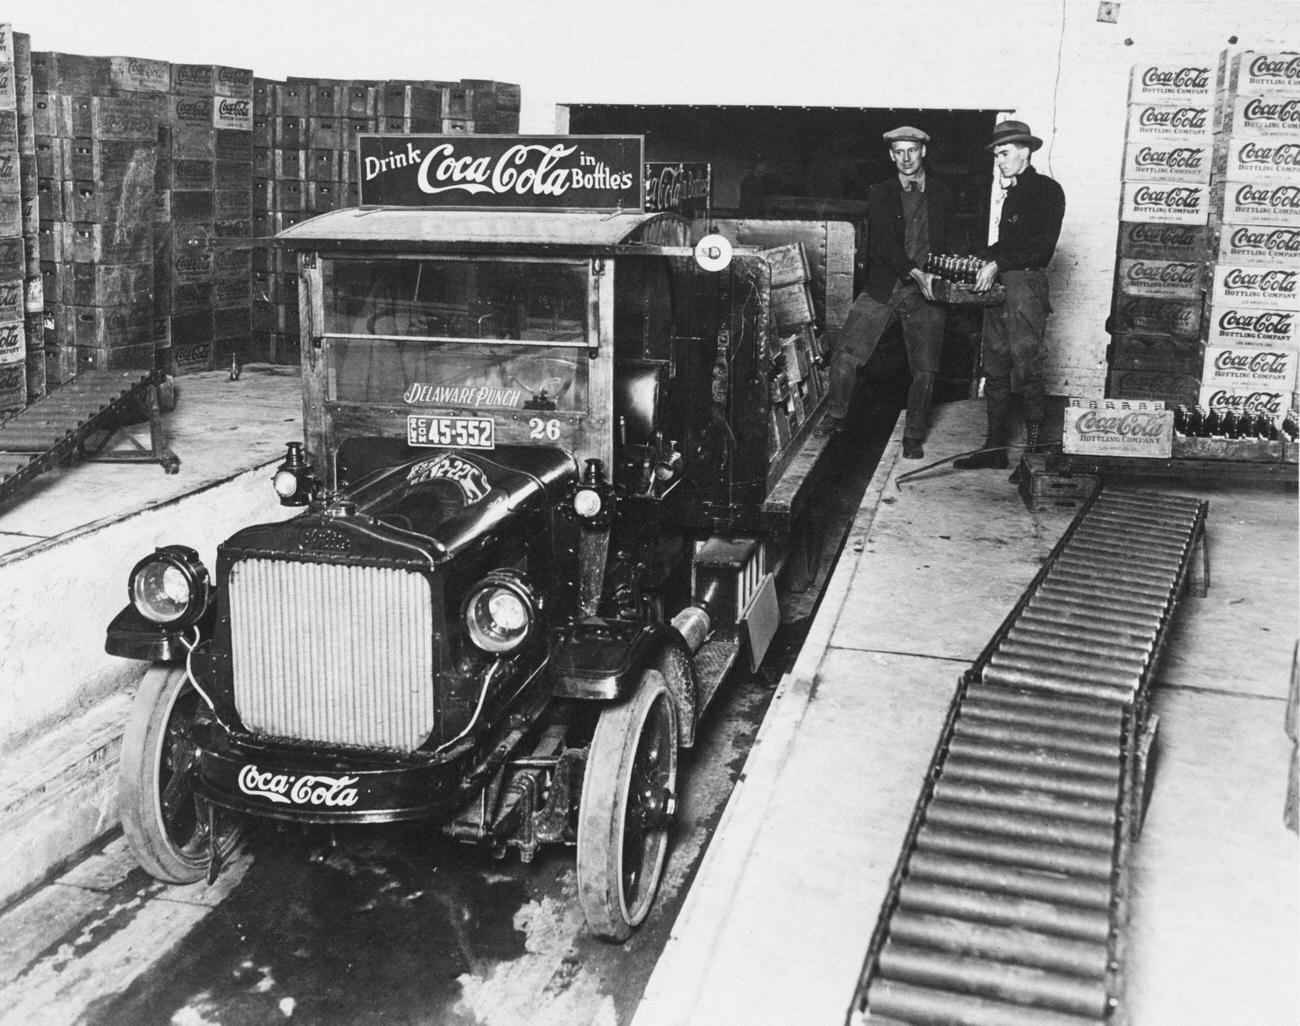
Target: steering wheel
546,379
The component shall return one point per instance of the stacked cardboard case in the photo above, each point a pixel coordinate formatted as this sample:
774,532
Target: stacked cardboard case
1164,239
1253,326
22,361
204,243
304,163
96,138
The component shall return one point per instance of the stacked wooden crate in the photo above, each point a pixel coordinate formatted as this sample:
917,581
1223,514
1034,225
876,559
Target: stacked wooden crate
22,362
1164,240
96,142
203,255
304,163
797,382
1253,327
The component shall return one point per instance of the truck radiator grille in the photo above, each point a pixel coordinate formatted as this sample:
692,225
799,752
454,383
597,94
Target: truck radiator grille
335,654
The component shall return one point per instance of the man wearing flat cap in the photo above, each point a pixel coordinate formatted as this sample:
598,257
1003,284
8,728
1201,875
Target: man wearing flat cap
1028,229
909,216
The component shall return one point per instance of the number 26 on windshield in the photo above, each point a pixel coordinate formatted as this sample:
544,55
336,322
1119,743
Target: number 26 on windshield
539,429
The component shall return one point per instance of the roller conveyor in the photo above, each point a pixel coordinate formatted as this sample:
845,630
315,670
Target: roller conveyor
66,424
1009,900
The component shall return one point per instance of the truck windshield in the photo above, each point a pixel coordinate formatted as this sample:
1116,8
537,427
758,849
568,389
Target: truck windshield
515,300
457,333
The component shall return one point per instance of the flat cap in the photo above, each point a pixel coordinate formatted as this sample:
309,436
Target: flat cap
906,133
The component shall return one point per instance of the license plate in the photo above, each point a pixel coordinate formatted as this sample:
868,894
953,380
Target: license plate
451,432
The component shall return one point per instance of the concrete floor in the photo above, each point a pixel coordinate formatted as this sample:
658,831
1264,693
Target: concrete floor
777,925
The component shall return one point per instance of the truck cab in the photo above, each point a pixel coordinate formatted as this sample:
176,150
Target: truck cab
550,467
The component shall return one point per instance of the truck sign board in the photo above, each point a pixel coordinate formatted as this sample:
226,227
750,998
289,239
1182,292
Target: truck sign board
502,172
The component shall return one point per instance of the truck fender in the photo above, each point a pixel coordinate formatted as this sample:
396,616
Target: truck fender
604,660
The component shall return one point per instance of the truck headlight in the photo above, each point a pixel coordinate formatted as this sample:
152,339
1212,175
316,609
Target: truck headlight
170,587
500,613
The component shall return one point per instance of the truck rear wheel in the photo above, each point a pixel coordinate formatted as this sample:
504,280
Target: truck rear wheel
626,809
165,822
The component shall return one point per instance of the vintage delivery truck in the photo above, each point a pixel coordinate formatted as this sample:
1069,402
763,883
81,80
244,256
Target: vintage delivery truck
553,456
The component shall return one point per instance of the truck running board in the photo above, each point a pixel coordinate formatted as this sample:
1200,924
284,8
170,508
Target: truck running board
86,411
1008,904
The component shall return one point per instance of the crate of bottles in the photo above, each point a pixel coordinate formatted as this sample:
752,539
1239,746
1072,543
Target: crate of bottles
956,280
1201,434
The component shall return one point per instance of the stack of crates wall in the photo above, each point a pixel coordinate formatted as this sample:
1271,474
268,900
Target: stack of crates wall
1164,242
304,163
203,256
22,361
1253,327
96,141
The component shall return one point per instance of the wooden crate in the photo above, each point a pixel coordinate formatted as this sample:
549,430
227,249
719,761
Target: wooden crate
1047,488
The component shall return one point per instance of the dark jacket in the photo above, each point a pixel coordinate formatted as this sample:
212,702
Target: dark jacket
887,261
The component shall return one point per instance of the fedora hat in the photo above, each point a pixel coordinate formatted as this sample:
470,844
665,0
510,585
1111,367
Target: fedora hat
1014,132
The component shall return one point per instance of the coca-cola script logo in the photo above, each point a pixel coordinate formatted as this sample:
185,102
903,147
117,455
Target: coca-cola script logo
1125,424
192,74
520,170
1281,155
1179,197
1270,282
1163,274
1267,240
235,108
234,76
1280,197
1185,158
1182,78
1166,236
1188,119
1286,112
1243,361
1257,323
1266,67
194,110
290,789
1254,403
146,70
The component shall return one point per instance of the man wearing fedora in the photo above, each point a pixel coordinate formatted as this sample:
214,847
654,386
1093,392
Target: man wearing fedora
1028,228
909,216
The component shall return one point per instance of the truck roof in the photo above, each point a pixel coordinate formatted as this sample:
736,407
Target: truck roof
485,231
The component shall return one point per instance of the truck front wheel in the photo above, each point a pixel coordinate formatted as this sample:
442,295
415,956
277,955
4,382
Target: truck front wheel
165,822
626,809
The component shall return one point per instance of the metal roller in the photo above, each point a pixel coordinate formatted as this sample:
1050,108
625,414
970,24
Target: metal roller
1005,910
1097,628
1042,760
1038,702
1014,880
1042,661
1001,943
906,1003
1117,609
1096,657
1164,558
1027,855
1019,985
1038,829
998,731
1093,788
1108,572
982,711
1061,684
1025,802
1157,543
1102,643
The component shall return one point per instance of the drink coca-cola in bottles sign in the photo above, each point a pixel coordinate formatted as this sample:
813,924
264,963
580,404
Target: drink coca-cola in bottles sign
502,172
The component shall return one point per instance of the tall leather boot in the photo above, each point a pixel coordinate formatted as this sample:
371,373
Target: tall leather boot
1033,431
993,456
